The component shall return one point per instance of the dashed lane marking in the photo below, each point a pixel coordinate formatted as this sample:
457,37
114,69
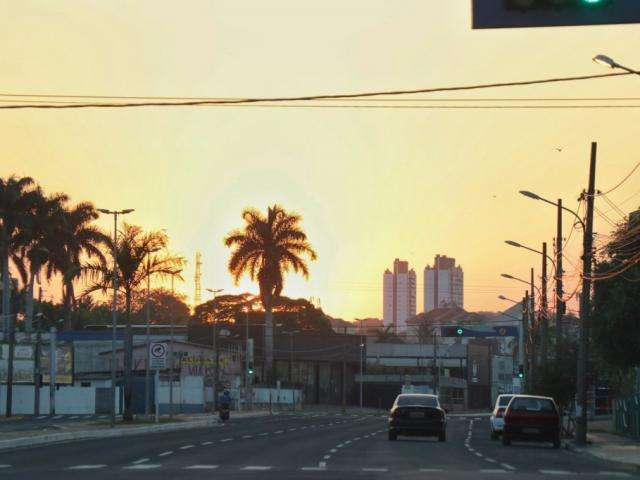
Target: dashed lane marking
327,457
279,431
5,465
493,470
57,417
312,469
143,466
260,468
491,460
186,447
556,472
247,436
333,450
615,474
86,467
507,466
74,417
478,454
292,429
264,434
204,444
164,454
142,460
226,439
381,469
322,464
201,467
431,470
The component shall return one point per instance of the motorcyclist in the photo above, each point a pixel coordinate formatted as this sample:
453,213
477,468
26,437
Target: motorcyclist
225,403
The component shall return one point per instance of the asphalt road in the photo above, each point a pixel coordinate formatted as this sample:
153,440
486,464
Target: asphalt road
302,446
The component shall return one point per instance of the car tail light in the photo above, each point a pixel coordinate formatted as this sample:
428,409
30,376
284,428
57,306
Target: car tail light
500,413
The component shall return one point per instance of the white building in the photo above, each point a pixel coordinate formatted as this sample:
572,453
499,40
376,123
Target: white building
398,296
443,284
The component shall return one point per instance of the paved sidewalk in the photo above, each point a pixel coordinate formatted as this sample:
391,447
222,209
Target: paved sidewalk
101,429
609,446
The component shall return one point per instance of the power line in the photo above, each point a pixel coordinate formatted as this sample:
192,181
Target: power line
621,181
239,101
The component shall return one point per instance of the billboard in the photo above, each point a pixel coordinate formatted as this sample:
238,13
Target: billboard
23,356
64,363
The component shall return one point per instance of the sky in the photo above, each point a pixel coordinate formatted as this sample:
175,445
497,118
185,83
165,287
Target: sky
370,184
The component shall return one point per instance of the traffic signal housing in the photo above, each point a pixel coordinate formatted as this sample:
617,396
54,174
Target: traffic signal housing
521,372
453,331
553,13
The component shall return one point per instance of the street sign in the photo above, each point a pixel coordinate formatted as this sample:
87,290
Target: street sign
553,13
158,356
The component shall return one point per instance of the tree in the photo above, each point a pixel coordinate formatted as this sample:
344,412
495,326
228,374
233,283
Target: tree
615,328
138,258
165,307
18,197
266,248
385,335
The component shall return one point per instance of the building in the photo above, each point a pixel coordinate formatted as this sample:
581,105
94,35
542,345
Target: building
443,284
398,296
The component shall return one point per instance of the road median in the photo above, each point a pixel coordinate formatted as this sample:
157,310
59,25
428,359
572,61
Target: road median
121,430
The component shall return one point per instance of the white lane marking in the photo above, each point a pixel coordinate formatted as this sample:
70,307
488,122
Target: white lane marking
507,466
201,467
340,446
322,464
263,434
303,427
476,419
103,416
493,470
478,454
347,442
206,443
226,439
261,468
42,416
356,439
333,450
556,472
86,467
427,470
186,447
74,417
327,457
247,436
142,460
57,417
375,469
292,429
615,474
164,454
312,469
472,449
279,431
143,466
491,460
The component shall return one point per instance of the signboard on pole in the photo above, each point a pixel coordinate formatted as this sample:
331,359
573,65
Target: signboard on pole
158,355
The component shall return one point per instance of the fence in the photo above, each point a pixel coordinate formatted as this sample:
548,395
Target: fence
626,416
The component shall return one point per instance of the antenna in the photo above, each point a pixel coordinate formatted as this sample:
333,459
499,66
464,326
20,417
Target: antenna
197,298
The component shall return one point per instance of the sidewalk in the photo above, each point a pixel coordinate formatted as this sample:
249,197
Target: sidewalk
606,445
75,431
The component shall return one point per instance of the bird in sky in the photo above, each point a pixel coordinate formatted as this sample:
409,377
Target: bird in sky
559,149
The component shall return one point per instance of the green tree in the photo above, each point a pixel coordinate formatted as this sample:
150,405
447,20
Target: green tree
266,248
138,256
18,198
165,307
386,335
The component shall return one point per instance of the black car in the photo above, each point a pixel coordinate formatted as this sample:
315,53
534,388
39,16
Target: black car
530,417
417,414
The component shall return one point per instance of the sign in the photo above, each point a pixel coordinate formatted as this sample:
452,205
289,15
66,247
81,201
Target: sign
479,331
158,356
22,363
546,13
64,363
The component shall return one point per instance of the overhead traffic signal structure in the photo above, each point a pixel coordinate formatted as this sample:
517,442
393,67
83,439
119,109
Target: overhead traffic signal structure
453,331
553,13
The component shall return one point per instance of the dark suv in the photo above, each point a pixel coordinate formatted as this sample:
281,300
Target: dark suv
531,417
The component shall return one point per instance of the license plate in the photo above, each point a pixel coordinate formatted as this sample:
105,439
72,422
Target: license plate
530,430
416,414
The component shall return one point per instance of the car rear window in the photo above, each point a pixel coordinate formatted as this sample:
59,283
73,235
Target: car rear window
504,400
422,400
533,405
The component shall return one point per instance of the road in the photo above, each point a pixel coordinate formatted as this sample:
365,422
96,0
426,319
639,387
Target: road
303,446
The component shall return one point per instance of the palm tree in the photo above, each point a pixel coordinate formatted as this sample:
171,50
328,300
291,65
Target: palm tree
18,197
40,244
137,257
78,239
266,248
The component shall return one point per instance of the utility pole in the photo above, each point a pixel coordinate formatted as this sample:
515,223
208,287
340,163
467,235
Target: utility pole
215,365
436,370
147,379
53,358
522,356
559,287
12,344
585,304
544,341
532,330
344,375
37,378
173,292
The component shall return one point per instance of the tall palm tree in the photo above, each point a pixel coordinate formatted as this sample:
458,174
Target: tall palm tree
78,241
40,243
18,197
138,258
266,248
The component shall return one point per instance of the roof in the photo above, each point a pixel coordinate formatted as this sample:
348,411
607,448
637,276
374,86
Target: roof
448,315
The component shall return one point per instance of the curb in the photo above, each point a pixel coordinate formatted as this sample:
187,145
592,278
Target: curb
569,445
53,438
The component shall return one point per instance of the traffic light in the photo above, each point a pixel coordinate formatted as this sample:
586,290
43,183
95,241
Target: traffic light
521,372
459,331
553,13
250,368
452,331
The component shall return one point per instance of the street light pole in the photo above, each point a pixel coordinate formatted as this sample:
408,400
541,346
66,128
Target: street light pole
114,306
544,309
559,287
215,349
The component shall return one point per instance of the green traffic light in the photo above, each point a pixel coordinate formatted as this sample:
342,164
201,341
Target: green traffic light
459,331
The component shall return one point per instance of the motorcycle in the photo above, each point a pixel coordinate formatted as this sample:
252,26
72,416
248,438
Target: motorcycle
223,412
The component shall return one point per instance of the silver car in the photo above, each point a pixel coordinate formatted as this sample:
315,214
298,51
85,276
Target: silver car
497,416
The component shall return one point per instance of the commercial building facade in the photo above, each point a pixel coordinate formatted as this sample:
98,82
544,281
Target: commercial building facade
399,295
443,284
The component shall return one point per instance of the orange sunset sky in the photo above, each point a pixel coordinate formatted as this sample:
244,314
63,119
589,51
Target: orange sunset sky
372,185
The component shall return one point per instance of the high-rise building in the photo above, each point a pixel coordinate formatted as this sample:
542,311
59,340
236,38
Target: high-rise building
443,284
398,296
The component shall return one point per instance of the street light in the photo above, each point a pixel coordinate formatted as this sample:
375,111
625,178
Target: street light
519,245
502,297
114,319
611,63
555,204
511,277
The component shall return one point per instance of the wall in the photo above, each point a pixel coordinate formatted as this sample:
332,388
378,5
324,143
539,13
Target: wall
69,400
188,395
